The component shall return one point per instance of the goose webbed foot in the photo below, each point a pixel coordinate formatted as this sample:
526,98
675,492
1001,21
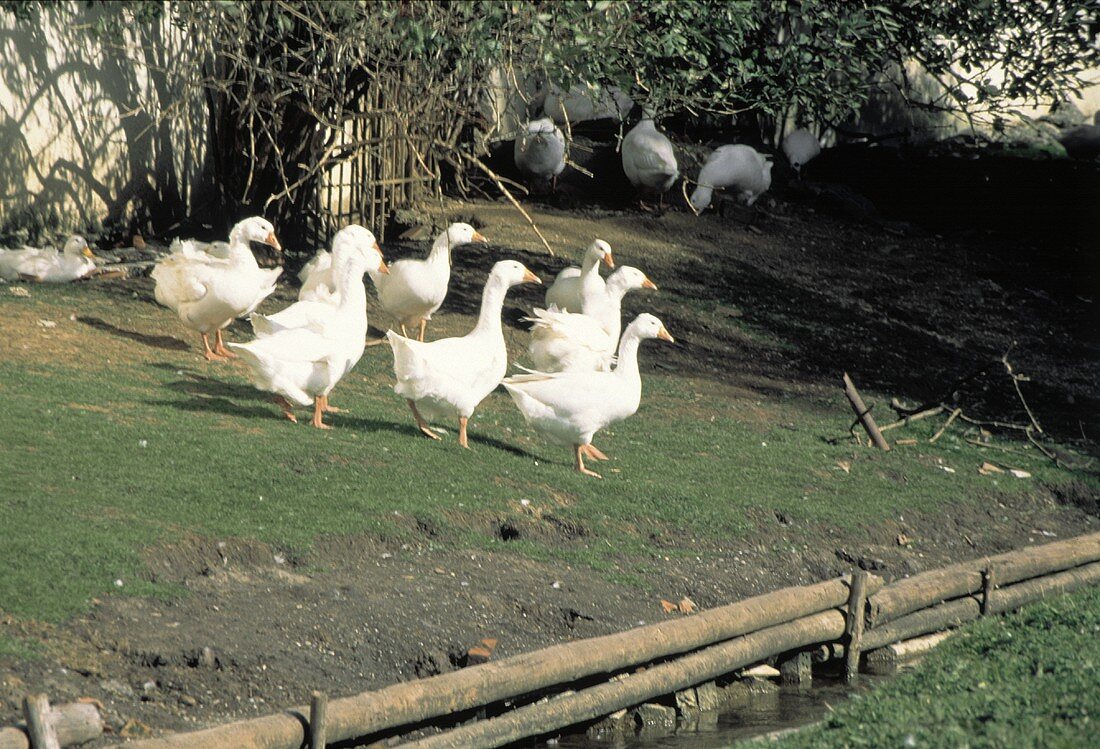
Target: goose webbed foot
578,454
421,424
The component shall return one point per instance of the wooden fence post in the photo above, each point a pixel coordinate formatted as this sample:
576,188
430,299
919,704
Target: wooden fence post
40,729
318,704
857,602
796,668
988,585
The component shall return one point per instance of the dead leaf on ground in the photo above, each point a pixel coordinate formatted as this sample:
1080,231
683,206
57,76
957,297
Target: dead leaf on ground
902,539
687,606
988,469
134,728
668,606
905,442
1018,473
844,465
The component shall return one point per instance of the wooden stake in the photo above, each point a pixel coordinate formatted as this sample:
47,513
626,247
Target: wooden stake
75,723
40,729
318,704
864,414
857,602
796,668
987,590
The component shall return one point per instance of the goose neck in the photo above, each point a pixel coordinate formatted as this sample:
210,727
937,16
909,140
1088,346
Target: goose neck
627,366
492,303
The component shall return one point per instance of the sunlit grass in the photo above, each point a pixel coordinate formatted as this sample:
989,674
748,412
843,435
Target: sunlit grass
111,445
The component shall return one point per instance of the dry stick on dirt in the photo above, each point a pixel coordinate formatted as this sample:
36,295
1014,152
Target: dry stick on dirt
507,193
1016,384
864,414
950,420
907,420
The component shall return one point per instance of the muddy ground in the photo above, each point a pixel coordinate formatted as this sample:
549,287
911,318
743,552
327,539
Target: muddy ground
906,309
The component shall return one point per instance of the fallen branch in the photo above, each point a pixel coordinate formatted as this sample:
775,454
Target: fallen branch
864,414
1016,384
950,420
507,193
905,421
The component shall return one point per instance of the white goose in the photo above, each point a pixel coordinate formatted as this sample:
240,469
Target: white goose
570,342
540,151
415,289
648,159
48,266
569,287
208,292
800,147
735,166
448,378
305,354
570,407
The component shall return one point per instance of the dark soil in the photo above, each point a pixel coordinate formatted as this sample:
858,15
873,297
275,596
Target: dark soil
906,310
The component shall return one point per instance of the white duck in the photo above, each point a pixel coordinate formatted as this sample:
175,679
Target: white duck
301,354
800,147
208,292
448,378
570,342
415,289
737,166
540,151
570,407
648,159
48,266
569,287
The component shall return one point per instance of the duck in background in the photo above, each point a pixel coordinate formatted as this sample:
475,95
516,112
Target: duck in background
648,160
736,166
76,260
801,146
208,292
540,152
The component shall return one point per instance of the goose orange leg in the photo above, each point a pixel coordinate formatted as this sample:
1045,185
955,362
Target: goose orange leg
404,331
462,432
219,346
593,452
423,327
318,412
578,454
288,408
330,409
208,352
421,424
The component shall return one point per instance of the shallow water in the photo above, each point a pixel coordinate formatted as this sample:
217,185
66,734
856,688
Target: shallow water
757,714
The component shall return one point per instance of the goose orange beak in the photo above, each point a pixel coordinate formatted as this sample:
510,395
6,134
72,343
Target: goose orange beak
647,284
271,240
664,335
529,277
608,259
383,269
87,252
479,237
377,247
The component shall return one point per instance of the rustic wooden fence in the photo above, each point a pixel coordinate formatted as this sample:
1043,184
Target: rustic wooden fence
384,160
853,617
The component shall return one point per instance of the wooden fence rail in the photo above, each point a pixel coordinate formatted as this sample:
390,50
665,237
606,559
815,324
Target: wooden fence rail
669,656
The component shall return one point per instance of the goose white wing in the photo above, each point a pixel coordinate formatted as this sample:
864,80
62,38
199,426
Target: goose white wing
317,281
569,342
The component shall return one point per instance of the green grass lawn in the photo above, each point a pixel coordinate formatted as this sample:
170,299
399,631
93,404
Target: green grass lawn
114,437
1031,679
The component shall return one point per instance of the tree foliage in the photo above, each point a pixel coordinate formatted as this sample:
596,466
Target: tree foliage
283,78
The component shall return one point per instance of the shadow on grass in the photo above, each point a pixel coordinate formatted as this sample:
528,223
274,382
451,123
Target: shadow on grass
156,341
220,405
378,425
